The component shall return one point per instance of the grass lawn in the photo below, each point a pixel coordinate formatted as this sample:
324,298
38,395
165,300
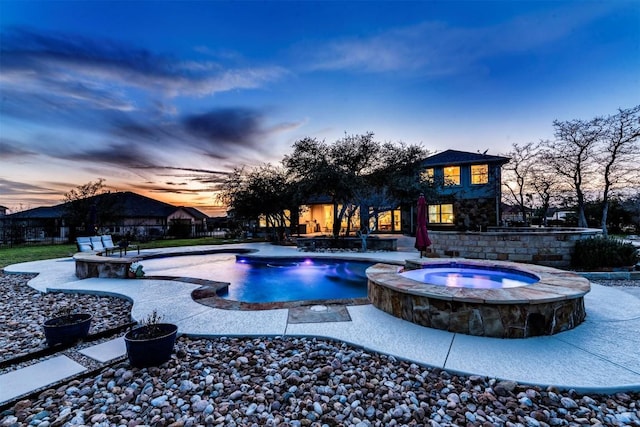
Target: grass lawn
26,253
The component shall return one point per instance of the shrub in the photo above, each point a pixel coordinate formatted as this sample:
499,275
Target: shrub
601,252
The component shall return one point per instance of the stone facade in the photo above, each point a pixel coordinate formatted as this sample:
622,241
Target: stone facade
477,214
545,246
554,304
92,265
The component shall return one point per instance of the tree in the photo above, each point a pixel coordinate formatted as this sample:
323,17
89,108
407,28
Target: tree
631,205
335,170
355,171
619,155
82,209
265,190
572,156
545,186
518,176
395,180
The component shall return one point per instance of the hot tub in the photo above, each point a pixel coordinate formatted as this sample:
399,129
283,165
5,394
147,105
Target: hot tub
551,304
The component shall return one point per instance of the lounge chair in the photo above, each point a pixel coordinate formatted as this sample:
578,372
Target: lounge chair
96,243
84,244
107,243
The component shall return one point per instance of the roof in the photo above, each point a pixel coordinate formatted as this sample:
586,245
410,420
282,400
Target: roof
454,157
40,213
194,212
127,204
135,205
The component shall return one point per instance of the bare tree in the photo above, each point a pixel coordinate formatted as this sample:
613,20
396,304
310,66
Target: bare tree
517,175
545,186
619,155
572,156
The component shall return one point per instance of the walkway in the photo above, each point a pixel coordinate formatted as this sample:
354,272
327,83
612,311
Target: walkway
601,355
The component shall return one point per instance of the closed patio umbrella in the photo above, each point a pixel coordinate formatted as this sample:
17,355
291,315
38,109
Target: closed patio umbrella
422,236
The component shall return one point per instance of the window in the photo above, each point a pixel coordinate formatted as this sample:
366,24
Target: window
441,214
452,175
427,176
479,174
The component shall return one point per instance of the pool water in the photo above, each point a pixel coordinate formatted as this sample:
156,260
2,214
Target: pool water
270,280
297,280
470,277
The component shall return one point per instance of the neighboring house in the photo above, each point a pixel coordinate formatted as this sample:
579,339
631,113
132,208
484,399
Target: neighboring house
468,190
512,214
558,215
34,225
122,213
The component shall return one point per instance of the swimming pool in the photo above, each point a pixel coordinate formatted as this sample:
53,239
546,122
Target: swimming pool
264,280
275,280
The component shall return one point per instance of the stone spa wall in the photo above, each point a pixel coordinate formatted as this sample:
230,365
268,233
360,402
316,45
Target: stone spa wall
554,304
551,247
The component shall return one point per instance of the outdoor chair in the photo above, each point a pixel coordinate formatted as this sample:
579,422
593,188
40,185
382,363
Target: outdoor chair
107,243
96,243
84,244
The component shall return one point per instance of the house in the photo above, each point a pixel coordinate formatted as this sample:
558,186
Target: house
559,216
465,195
512,215
34,225
120,213
467,190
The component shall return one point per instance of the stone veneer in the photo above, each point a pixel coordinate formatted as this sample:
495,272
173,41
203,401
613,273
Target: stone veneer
94,265
544,246
553,304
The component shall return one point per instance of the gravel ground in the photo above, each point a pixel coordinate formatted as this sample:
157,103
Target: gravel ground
279,382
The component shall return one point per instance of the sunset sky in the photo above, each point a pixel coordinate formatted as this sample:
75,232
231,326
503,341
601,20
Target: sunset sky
164,98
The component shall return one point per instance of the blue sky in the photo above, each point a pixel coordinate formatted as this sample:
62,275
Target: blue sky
164,98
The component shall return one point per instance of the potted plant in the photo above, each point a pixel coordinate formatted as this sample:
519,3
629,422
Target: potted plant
67,326
150,344
136,271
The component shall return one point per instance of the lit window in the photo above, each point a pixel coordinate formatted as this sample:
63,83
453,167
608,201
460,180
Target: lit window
452,175
441,214
479,174
427,176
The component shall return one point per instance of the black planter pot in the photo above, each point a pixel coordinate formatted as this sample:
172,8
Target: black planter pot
150,345
67,329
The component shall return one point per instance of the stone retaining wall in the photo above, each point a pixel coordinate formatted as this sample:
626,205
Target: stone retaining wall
548,247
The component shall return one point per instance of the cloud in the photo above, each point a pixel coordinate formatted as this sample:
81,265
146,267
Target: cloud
9,187
73,79
87,66
121,102
10,148
240,126
117,154
437,48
